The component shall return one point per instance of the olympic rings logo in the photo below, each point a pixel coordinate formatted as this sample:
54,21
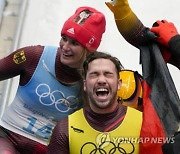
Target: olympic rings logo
112,150
56,98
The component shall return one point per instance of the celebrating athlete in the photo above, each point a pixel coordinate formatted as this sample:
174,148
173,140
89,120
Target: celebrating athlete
50,83
104,125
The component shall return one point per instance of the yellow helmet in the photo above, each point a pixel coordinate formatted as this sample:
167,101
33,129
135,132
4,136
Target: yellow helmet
130,92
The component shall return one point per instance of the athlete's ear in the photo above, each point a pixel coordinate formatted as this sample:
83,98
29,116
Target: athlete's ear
119,83
84,85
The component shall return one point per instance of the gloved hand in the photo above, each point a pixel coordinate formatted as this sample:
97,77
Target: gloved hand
120,8
164,30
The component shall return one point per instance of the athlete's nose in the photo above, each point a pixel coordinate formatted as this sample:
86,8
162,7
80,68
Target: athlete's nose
101,79
66,46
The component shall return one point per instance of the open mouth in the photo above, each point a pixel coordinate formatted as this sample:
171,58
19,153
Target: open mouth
102,92
67,54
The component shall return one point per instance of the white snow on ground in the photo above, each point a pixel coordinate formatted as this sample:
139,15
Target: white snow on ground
45,18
